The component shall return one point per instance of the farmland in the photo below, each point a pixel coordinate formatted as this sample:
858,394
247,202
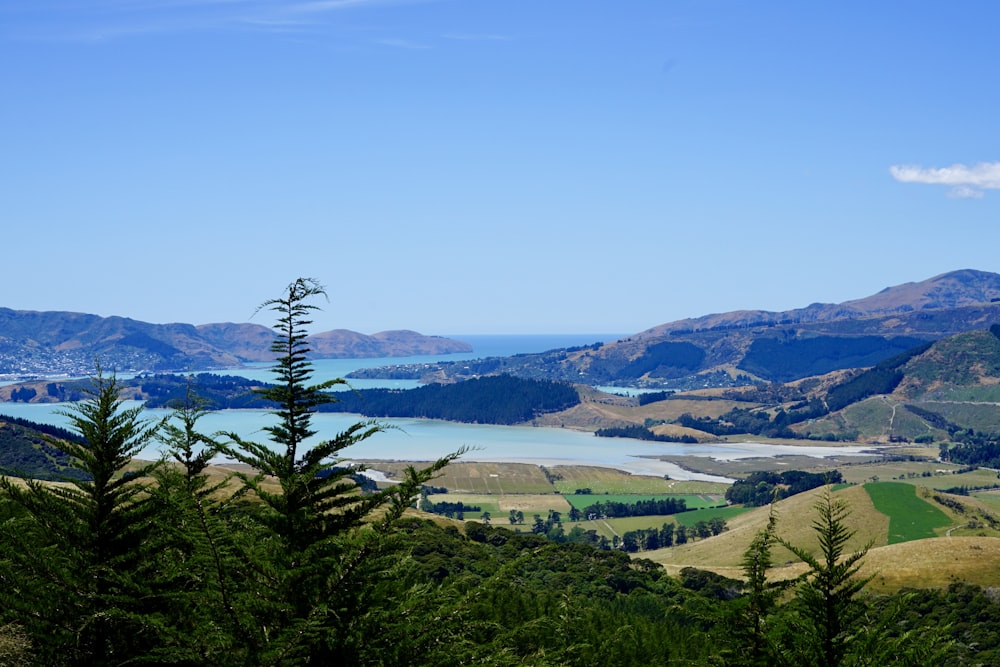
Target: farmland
910,517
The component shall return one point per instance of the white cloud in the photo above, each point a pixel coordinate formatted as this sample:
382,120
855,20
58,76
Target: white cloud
967,182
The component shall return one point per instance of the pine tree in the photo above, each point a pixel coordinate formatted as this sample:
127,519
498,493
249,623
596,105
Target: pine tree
326,543
828,596
81,558
748,631
204,570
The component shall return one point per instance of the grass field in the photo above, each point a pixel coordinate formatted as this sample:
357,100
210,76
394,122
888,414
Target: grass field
991,499
694,516
567,479
905,513
481,478
910,518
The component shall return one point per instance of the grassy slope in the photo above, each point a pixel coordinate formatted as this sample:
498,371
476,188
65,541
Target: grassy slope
910,517
920,563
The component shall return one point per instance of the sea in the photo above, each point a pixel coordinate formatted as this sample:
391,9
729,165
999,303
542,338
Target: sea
427,439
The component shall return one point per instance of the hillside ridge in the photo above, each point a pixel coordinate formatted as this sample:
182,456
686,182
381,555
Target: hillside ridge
749,347
58,342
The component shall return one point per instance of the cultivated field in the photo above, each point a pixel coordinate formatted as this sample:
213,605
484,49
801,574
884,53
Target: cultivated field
910,517
919,536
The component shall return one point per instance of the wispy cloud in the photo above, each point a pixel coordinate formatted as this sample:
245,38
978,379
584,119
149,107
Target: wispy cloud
100,20
967,182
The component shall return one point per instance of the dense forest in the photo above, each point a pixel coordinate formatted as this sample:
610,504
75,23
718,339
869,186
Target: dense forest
26,452
762,488
641,433
290,562
882,378
499,399
496,399
781,360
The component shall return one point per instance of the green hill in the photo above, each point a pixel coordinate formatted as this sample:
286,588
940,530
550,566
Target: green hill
25,451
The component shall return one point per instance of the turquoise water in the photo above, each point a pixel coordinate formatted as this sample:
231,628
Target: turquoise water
424,439
482,346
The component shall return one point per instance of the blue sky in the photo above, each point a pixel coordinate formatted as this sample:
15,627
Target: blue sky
492,166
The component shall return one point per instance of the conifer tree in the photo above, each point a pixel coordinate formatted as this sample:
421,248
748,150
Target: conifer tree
80,558
325,543
828,596
207,602
749,636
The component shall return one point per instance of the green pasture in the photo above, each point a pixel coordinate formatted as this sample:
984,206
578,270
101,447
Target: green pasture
990,499
611,527
966,394
929,474
910,518
708,513
976,416
691,500
910,471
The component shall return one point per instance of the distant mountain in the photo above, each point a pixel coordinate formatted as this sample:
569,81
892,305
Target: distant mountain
956,289
747,347
48,343
944,391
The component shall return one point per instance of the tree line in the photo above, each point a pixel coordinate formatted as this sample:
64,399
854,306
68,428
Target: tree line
765,487
500,399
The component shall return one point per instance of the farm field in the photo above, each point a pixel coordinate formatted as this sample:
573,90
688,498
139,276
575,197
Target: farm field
898,510
912,472
910,517
478,477
708,513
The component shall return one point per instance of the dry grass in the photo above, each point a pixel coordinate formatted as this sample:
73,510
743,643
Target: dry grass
603,410
927,563
934,563
724,552
600,480
478,477
532,504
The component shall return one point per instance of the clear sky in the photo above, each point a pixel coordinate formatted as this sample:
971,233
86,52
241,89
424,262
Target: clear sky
492,166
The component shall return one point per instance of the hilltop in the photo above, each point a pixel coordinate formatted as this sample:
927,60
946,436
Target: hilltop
36,343
752,347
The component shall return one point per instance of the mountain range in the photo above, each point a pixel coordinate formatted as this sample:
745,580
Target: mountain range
53,342
751,346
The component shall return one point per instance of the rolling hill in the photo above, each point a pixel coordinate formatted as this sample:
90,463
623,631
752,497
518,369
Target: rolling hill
944,391
52,343
748,347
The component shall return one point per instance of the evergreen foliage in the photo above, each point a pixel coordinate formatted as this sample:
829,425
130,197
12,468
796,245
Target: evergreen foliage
827,599
784,360
25,451
764,487
500,399
316,577
495,399
80,566
642,433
